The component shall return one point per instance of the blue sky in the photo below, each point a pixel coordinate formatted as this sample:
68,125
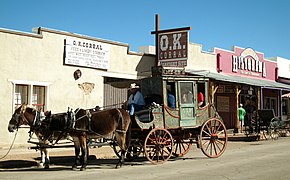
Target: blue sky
263,25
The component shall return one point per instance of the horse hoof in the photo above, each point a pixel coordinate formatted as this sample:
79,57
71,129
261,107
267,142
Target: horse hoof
74,168
118,165
83,169
46,167
40,165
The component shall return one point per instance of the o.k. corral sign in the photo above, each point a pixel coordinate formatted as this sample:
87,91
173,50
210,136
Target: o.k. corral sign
172,48
87,53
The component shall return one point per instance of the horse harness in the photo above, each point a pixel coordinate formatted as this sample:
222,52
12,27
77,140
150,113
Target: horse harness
89,115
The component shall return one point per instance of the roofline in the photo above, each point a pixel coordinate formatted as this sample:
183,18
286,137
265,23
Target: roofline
20,33
37,33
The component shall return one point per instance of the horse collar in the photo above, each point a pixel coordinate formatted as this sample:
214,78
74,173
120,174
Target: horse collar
38,118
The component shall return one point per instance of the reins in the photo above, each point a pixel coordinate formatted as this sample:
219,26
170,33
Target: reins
10,148
10,145
111,105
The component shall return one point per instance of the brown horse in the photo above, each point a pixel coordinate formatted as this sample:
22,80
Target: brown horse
88,124
25,115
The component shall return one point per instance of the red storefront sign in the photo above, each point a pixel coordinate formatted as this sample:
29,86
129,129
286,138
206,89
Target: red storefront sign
245,62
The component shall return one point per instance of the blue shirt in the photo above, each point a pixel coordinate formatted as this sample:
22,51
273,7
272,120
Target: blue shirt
171,101
136,99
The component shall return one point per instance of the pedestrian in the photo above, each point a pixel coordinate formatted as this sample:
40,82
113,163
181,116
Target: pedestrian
242,113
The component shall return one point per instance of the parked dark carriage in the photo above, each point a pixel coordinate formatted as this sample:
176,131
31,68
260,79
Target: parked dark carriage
159,131
270,125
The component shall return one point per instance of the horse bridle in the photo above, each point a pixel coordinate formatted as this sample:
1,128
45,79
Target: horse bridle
22,116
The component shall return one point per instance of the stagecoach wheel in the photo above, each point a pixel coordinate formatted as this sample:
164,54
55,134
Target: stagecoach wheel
158,146
213,138
180,147
133,152
273,131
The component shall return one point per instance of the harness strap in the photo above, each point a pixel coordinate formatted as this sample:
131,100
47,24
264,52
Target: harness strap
121,131
120,117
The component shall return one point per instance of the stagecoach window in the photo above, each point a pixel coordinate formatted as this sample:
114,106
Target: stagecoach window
186,93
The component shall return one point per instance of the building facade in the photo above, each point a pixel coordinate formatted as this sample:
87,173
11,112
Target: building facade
244,76
54,70
284,77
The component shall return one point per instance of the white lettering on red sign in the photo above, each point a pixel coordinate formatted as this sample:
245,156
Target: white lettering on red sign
173,48
248,64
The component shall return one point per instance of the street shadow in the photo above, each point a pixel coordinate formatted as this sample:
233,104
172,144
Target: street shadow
12,164
60,163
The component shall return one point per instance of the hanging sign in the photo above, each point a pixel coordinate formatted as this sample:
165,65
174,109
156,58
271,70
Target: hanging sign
87,53
173,49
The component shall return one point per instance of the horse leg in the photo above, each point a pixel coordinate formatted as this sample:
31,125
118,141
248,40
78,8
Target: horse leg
84,157
77,153
42,161
121,140
46,158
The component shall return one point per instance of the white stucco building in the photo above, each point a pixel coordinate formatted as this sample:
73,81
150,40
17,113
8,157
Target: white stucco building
38,68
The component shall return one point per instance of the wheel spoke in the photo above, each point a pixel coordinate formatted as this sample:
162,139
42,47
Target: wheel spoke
217,129
207,133
180,147
209,130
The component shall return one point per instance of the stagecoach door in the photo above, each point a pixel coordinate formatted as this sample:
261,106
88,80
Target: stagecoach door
187,103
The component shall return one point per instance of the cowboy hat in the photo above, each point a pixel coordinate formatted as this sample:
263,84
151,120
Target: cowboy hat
134,86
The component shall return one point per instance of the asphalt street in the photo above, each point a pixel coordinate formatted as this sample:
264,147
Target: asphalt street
267,159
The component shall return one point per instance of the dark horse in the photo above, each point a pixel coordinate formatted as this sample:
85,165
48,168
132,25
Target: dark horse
88,124
25,115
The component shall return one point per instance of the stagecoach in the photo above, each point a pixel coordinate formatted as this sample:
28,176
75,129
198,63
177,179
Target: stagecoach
160,132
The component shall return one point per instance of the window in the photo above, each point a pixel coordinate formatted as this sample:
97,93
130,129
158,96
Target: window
21,94
34,95
271,103
186,92
38,97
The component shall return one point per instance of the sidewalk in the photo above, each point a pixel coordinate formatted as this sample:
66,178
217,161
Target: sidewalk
241,136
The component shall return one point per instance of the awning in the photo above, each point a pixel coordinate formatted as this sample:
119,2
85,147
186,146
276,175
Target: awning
241,80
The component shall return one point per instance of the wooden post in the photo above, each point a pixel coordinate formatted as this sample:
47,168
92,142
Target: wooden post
259,98
213,91
237,124
157,25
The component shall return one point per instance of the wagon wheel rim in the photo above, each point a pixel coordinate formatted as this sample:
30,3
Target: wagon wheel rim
273,132
181,147
213,138
158,146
